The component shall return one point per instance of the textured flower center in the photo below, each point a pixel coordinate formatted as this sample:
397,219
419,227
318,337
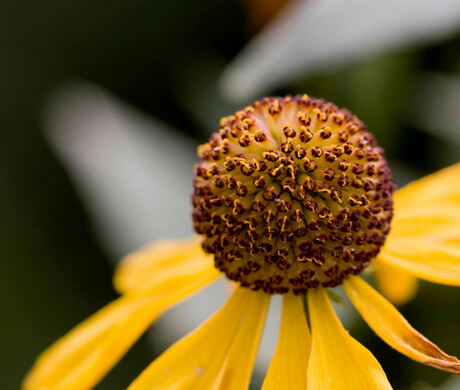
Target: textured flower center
292,193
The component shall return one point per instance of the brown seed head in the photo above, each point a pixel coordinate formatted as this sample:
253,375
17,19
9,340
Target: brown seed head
292,193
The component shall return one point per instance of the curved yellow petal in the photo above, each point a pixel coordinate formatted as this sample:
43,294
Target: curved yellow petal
83,356
432,190
157,262
393,328
237,369
436,225
398,286
337,360
427,211
288,368
425,237
219,354
435,262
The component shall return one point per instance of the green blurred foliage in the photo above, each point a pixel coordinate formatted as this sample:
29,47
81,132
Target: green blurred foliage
164,57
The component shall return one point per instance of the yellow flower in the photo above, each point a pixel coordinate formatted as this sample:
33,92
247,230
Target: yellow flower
292,196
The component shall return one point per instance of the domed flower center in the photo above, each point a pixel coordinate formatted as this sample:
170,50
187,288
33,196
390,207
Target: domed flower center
292,193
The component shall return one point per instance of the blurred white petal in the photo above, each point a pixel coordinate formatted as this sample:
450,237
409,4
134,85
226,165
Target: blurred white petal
134,173
435,106
312,36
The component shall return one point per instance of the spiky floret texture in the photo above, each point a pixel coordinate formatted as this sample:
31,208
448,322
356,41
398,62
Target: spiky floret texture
292,193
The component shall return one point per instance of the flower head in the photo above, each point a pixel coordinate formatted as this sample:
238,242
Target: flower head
292,193
292,196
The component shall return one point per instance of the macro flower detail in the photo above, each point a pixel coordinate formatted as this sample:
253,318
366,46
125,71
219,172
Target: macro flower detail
292,196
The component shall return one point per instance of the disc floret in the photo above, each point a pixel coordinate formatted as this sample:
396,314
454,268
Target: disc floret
292,193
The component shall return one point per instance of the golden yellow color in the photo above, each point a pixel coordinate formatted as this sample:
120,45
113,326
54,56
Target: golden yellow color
287,368
425,234
165,260
338,361
219,354
398,286
393,328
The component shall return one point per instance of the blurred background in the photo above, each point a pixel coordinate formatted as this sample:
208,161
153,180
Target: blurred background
102,104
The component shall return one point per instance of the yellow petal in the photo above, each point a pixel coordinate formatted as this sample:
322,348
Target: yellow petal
429,209
398,286
155,263
337,360
288,368
435,262
237,369
425,237
83,356
432,190
218,355
434,224
393,328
